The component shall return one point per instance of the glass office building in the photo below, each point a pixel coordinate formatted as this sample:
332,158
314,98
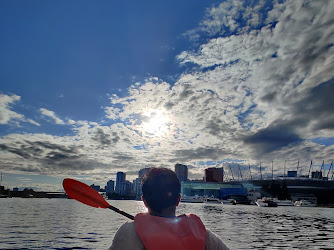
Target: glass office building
191,188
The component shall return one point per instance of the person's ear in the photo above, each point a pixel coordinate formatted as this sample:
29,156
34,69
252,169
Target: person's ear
178,200
143,199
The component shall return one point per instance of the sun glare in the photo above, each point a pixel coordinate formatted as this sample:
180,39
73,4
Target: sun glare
156,123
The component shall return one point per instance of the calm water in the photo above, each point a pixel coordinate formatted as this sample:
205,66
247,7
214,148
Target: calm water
64,224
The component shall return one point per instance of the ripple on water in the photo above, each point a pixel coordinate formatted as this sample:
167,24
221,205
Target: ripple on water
67,224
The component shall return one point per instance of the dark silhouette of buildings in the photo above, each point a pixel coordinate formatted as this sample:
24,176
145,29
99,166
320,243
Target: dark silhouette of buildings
214,175
181,172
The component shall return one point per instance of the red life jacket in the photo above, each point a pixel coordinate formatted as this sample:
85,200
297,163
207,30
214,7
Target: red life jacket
161,233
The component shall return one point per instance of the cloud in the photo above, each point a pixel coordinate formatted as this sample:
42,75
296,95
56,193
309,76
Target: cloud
106,139
7,115
259,89
92,149
231,17
271,139
70,122
274,70
52,115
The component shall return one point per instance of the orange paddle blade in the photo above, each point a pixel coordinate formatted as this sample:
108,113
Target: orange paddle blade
84,193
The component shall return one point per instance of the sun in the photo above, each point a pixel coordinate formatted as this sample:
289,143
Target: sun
156,123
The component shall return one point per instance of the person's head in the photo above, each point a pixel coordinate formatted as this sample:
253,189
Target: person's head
161,189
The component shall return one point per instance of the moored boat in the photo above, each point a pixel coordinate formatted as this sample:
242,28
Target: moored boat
229,202
265,202
283,202
212,199
304,203
193,199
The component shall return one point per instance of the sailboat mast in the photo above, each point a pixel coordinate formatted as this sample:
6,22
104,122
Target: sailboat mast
297,168
284,169
250,172
260,171
231,172
272,170
329,169
322,165
240,172
309,171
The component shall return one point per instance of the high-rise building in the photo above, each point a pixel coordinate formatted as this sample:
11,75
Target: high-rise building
125,188
120,177
141,173
136,186
181,172
110,187
214,175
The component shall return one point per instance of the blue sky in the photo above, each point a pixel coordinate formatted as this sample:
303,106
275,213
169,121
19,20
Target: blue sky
89,89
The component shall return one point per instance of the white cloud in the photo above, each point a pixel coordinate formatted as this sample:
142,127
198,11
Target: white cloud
70,122
112,113
258,95
259,83
7,115
270,63
52,115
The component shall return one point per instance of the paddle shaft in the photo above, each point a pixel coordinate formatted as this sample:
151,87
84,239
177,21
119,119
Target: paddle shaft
121,212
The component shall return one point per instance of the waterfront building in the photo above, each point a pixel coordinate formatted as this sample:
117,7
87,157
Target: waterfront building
214,175
181,172
120,178
136,186
232,192
110,187
125,188
96,187
192,188
292,174
316,175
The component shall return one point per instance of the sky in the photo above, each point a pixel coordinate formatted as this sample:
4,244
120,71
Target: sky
90,88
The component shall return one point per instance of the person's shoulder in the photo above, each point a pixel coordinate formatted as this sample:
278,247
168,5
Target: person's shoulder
214,242
126,238
128,226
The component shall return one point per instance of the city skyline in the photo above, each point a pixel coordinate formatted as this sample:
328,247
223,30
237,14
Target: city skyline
217,174
90,89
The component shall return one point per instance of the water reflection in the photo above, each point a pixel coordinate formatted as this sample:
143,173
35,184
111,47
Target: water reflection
64,224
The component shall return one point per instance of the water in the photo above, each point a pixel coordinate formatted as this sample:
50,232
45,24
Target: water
68,224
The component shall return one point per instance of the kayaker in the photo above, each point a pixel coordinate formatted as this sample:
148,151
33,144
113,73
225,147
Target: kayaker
160,229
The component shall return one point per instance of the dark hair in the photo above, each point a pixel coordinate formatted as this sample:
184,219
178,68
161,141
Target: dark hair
161,188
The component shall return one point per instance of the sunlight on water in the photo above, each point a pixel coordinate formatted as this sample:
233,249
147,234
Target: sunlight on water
64,224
